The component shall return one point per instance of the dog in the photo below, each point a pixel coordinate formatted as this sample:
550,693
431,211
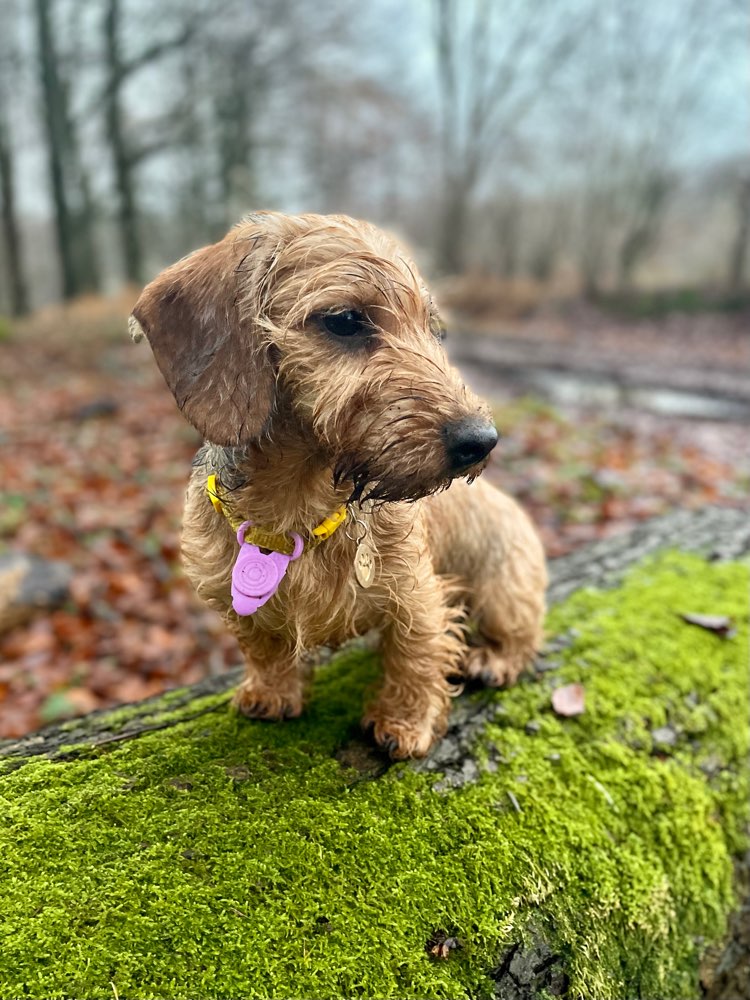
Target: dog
308,352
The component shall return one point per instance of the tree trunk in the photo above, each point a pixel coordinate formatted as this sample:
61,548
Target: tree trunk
509,237
127,215
739,248
455,192
454,223
87,256
235,143
643,231
54,124
19,299
195,223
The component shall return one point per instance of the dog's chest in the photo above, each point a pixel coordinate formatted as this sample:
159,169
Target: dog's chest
320,600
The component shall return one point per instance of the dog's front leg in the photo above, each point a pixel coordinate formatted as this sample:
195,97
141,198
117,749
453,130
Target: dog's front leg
273,685
422,646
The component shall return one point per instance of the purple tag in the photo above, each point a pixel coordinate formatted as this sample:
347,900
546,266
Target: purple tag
256,575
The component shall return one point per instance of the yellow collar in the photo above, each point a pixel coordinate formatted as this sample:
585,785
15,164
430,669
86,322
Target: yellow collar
264,538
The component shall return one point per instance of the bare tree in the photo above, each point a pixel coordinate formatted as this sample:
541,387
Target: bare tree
126,153
740,244
71,194
19,299
239,89
255,57
490,61
548,237
526,108
194,206
509,216
9,211
54,116
634,101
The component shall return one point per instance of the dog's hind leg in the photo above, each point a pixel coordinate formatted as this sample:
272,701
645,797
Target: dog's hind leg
506,605
481,538
508,623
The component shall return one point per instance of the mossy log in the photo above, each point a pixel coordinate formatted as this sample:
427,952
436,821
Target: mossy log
173,850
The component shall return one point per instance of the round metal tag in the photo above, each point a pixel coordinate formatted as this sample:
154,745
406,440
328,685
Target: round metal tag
364,565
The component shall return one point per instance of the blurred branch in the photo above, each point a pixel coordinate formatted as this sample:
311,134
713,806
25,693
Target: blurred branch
124,70
136,154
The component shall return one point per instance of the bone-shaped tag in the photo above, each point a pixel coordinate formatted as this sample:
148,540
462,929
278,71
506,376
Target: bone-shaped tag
256,575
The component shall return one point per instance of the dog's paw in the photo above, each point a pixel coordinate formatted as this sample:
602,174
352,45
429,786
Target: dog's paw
491,668
258,702
400,738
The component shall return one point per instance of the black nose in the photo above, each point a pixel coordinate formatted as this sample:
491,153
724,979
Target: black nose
468,441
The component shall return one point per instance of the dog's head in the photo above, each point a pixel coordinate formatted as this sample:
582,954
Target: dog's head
324,322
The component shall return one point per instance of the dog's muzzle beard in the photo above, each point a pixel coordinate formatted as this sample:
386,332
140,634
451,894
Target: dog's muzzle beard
417,464
392,486
386,488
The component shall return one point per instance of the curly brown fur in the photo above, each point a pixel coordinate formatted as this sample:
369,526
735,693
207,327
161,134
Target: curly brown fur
302,418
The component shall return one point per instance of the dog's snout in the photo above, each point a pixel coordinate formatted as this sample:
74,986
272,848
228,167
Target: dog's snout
468,441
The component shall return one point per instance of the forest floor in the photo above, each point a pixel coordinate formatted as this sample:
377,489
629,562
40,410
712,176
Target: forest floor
94,458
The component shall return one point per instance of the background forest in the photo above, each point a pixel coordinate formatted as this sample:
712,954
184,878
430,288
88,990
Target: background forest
585,143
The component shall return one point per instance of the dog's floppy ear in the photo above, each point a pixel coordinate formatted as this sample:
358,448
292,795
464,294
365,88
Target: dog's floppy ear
206,344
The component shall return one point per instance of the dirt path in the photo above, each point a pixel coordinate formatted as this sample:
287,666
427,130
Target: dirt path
688,377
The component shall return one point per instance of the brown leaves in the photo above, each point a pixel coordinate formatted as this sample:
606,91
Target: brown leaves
440,945
720,625
99,487
583,480
569,700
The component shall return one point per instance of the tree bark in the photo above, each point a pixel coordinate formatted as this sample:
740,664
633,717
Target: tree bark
125,152
453,227
19,299
739,248
643,230
234,106
54,119
127,216
84,221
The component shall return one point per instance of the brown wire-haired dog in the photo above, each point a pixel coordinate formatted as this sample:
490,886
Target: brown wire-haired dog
307,351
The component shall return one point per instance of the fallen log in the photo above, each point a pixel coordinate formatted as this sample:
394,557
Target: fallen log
171,849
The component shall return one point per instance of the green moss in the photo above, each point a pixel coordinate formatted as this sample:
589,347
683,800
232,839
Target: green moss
222,858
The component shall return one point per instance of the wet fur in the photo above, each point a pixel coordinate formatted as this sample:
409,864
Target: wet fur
301,422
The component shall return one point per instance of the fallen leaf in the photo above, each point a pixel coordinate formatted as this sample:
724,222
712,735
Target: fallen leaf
569,700
440,946
720,625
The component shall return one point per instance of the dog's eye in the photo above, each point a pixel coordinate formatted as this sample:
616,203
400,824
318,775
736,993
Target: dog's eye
348,323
